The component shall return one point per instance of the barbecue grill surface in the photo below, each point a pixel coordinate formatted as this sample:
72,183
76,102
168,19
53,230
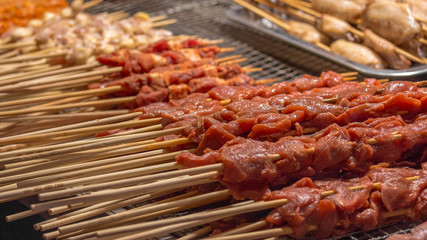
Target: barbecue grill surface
207,19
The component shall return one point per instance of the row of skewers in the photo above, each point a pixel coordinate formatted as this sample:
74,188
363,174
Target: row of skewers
378,34
93,180
216,138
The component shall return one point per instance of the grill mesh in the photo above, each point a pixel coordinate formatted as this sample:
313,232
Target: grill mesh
207,19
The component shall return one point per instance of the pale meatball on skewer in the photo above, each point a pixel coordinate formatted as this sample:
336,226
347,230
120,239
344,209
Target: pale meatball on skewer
348,10
394,22
357,53
307,32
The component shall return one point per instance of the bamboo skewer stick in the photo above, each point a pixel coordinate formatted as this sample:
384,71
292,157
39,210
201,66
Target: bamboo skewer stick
34,150
123,179
34,57
90,4
59,162
95,168
197,234
91,92
263,14
141,218
84,131
244,229
234,209
85,116
163,23
106,102
106,195
111,205
223,194
16,45
55,79
84,156
107,120
28,76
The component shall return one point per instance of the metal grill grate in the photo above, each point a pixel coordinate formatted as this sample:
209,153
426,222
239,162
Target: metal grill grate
207,19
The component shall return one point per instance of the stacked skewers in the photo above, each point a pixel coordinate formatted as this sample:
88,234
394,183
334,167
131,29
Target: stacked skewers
201,133
114,168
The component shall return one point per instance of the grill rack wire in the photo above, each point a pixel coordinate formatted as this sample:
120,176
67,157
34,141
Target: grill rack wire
207,19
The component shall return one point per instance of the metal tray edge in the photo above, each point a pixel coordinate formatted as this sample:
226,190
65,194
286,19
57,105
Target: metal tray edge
236,13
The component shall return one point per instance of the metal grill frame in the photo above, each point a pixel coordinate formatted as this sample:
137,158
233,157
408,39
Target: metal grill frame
207,19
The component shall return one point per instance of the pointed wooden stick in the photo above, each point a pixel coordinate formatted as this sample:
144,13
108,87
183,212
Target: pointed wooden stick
229,58
197,234
26,172
97,103
11,175
34,150
24,64
85,131
163,23
86,116
222,194
266,81
55,79
13,78
35,57
106,195
394,137
263,14
158,18
247,228
11,53
28,76
16,45
89,232
90,4
349,74
211,215
105,207
107,120
121,179
224,50
103,166
92,92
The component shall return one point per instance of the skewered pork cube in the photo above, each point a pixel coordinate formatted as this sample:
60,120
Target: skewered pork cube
386,49
307,32
348,10
357,53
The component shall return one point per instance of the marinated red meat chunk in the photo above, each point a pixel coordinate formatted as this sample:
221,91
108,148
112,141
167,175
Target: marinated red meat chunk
270,126
311,107
417,233
155,110
131,85
148,95
352,93
346,200
333,147
395,87
214,138
304,203
203,85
